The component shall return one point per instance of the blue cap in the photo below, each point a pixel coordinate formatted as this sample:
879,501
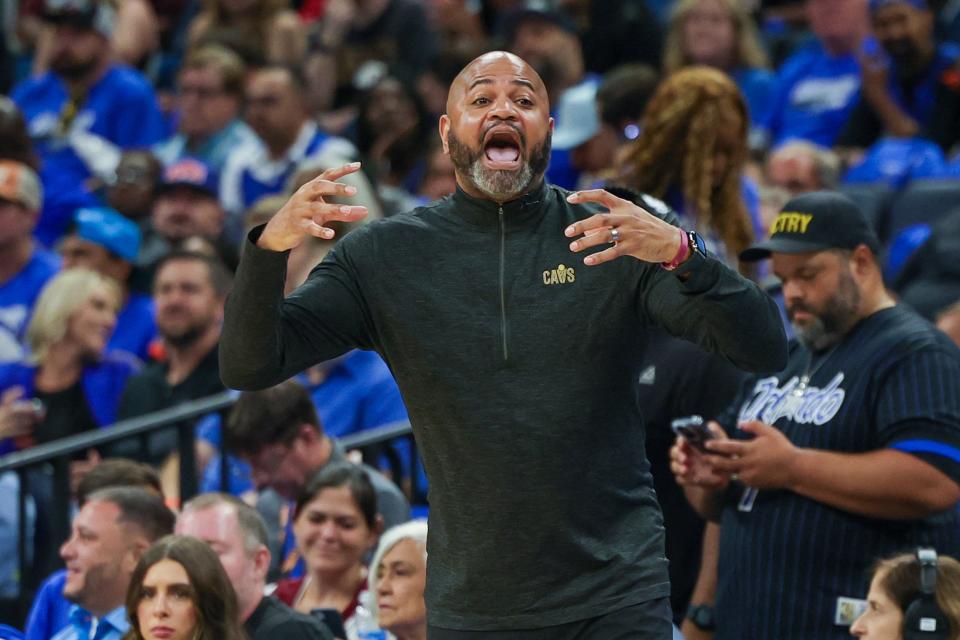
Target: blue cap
190,172
920,5
107,228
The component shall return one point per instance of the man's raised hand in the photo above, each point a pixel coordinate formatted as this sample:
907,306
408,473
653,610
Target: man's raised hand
632,230
307,212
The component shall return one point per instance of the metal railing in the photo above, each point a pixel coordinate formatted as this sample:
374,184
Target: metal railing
182,417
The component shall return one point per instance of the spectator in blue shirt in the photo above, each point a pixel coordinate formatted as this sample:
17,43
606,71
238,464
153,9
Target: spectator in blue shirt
50,611
818,85
110,533
84,111
106,242
278,112
721,34
904,88
209,97
24,266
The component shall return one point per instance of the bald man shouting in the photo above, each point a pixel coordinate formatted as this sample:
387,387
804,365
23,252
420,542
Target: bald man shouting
513,315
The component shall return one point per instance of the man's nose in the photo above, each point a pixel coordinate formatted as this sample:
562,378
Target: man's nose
66,549
504,109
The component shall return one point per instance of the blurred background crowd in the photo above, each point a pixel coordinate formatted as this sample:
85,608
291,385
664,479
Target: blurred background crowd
140,140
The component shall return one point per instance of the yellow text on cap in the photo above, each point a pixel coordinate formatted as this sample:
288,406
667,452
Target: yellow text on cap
791,222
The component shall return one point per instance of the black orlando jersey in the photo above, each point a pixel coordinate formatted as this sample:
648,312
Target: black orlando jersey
791,567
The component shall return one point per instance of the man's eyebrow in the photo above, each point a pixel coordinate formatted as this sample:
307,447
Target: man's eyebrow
518,81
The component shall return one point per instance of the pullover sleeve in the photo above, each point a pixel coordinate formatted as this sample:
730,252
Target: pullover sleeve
709,304
266,339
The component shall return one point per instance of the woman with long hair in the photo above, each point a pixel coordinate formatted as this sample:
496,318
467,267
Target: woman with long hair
721,34
691,153
180,591
336,524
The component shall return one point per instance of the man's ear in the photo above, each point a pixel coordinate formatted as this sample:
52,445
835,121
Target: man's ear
552,123
308,433
261,562
135,549
862,261
444,130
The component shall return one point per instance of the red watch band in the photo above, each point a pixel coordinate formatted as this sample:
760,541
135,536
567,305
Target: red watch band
683,251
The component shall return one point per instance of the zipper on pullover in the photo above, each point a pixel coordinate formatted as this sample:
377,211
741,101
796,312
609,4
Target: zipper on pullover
503,294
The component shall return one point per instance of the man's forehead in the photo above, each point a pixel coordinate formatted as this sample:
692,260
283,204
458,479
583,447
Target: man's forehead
98,515
497,66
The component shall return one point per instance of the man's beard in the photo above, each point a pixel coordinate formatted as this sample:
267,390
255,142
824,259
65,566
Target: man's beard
499,184
185,336
907,57
72,69
839,314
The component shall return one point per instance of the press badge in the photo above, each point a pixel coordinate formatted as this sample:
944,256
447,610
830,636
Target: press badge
848,610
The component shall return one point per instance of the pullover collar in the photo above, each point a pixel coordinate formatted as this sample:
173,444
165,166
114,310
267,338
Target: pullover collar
519,212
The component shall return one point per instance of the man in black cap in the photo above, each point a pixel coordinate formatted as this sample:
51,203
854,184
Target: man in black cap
851,453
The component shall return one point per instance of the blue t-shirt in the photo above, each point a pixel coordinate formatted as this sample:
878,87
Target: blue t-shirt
136,327
214,151
119,112
920,104
50,611
758,87
17,297
815,94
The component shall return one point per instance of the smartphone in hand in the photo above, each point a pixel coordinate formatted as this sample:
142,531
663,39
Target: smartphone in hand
694,430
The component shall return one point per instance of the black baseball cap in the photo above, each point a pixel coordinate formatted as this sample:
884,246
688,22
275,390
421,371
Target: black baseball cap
816,221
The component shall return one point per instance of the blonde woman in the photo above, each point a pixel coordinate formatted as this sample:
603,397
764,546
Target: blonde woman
721,34
74,384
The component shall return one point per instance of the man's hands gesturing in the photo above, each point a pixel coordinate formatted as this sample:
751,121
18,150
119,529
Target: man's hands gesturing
632,230
307,213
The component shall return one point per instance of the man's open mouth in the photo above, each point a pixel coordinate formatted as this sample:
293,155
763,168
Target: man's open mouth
501,149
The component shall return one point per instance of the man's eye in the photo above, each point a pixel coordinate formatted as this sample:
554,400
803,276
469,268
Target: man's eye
481,100
527,102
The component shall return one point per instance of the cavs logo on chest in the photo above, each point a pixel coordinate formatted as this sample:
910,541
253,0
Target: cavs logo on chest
561,275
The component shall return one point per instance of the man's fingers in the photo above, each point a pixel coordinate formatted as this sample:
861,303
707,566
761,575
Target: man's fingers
608,254
336,173
343,212
592,238
328,188
11,395
727,447
594,222
600,196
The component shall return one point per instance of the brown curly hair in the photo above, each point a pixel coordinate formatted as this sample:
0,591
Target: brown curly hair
676,149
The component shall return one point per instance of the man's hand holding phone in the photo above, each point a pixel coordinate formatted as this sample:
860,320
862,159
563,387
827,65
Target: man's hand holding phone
691,462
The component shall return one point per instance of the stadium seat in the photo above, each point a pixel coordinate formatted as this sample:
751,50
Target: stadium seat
922,202
874,199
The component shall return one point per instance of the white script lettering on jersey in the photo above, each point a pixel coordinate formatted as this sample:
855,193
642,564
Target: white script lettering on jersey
802,405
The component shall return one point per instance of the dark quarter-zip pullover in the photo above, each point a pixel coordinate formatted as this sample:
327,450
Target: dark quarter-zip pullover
518,365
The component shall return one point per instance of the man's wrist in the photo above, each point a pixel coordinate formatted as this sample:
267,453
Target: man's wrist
682,253
702,616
